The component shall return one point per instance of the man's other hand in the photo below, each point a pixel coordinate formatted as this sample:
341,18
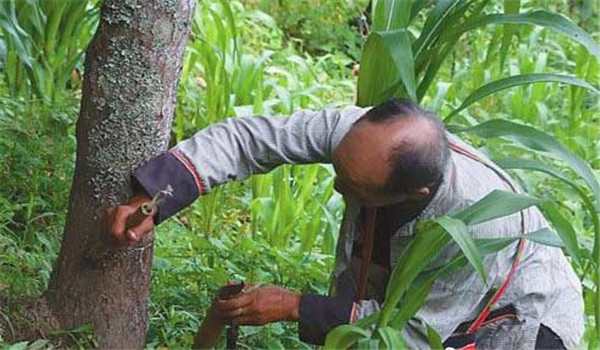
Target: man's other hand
118,218
258,306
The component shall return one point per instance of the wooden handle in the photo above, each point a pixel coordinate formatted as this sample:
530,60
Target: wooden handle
145,210
208,333
231,290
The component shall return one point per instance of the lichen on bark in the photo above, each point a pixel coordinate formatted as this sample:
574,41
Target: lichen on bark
130,81
131,73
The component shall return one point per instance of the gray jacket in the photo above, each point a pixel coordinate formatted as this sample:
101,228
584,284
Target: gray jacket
544,290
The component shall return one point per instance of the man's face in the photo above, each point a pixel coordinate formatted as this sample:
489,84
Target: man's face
361,162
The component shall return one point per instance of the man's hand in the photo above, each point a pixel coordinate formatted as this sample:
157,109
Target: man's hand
257,306
118,218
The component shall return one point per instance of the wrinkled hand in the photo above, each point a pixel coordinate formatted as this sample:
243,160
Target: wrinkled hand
119,216
257,306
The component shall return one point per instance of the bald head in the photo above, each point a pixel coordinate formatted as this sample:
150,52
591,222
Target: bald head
395,149
419,151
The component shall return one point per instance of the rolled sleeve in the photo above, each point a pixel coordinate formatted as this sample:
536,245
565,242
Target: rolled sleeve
320,314
170,168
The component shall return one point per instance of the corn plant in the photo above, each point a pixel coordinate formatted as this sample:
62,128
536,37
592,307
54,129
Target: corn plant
409,284
43,42
292,203
402,58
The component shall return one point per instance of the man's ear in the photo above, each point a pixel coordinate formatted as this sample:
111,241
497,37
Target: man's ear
420,193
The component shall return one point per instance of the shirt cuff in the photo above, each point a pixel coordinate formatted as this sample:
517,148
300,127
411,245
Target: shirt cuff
170,168
320,314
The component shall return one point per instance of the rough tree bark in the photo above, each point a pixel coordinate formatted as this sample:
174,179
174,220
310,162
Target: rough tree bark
131,75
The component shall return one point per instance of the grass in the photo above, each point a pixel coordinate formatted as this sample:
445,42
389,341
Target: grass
283,225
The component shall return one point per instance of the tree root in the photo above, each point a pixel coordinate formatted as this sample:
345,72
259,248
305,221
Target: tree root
26,319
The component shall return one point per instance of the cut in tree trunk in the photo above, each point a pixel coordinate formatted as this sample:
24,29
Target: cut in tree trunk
131,75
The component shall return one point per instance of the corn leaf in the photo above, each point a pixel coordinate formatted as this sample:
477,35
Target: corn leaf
536,165
536,140
460,234
437,59
510,7
564,229
495,205
344,336
487,246
387,59
542,18
371,344
517,80
367,322
434,24
390,14
431,238
427,243
432,52
546,237
13,31
391,338
414,298
419,289
419,5
435,341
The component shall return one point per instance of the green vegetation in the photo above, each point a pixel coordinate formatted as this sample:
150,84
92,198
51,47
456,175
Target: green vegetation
519,79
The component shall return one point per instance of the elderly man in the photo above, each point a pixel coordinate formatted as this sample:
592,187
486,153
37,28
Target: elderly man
395,159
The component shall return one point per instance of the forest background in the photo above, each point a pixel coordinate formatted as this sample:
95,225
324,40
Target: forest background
271,57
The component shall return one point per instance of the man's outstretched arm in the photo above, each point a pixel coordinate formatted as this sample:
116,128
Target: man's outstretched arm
233,149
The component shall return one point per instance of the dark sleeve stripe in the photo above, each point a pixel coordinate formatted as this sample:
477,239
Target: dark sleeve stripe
163,170
188,165
320,314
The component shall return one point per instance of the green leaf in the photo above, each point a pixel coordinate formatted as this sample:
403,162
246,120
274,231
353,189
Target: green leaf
536,140
495,205
419,5
437,58
421,285
391,338
542,18
564,229
431,238
390,14
387,59
487,246
536,165
428,242
18,346
563,226
460,233
344,336
370,344
516,80
13,31
435,341
510,7
414,298
434,24
546,237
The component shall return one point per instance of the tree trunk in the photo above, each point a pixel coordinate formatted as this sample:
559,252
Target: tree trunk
131,75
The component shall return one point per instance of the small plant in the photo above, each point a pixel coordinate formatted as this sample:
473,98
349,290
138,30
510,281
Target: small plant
42,43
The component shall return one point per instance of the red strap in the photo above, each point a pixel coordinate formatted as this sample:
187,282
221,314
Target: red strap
479,321
367,251
486,310
471,346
